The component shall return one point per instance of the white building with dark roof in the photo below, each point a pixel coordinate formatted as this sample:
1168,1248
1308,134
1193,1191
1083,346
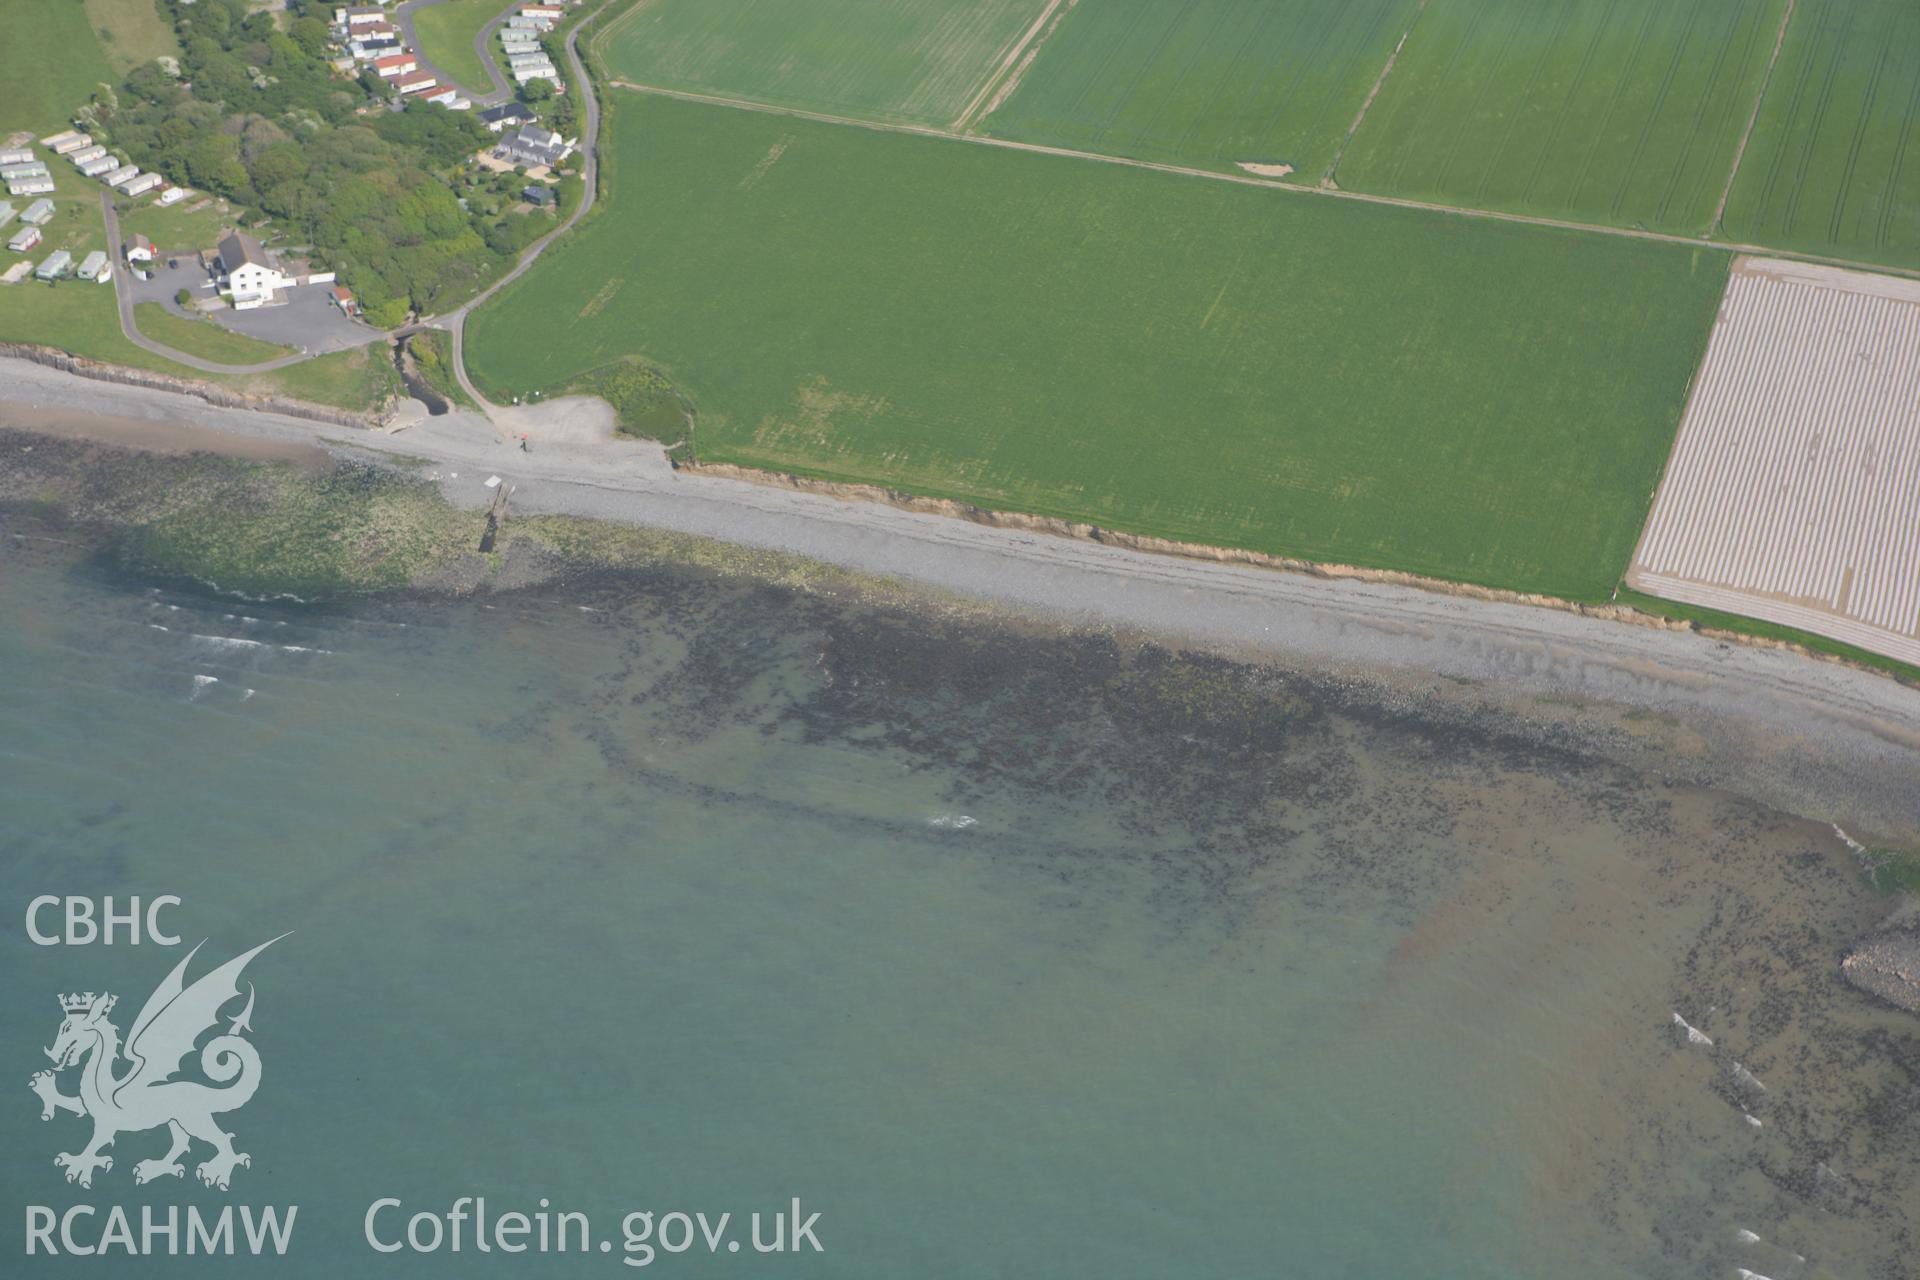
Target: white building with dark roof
248,272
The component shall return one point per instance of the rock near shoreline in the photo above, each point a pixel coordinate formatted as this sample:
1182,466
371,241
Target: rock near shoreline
1887,965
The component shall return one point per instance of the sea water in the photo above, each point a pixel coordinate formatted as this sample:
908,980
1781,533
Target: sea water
1007,951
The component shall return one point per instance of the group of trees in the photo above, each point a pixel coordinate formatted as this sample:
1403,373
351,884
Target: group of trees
257,115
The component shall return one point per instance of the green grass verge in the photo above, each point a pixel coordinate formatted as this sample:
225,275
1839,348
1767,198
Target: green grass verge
131,33
360,379
1717,620
908,60
203,338
1832,168
1626,113
50,62
1213,83
1167,355
187,227
446,33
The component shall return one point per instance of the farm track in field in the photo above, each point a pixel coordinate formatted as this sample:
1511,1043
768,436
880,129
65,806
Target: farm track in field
1753,118
1247,180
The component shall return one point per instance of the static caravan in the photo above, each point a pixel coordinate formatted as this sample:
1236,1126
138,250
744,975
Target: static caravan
143,184
96,267
30,187
120,177
18,155
78,142
24,239
517,60
85,154
64,136
38,212
55,266
174,195
99,165
31,169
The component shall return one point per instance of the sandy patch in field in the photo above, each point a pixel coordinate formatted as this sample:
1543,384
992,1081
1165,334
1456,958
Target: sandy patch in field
1264,170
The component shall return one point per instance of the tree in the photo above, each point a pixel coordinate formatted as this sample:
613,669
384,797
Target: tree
535,92
311,35
183,299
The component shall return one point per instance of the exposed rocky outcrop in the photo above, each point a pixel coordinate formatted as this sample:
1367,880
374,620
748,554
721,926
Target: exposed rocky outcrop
1888,964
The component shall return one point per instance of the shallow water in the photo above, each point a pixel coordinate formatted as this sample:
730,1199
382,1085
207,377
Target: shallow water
1008,953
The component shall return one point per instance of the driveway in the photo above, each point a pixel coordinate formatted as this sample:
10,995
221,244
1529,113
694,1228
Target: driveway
304,318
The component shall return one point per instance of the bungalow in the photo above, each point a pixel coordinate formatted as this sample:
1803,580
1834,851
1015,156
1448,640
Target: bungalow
122,176
85,154
248,272
96,267
40,211
395,64
24,239
418,82
6,213
67,146
533,145
445,97
375,47
374,31
30,187
99,165
30,169
140,249
143,184
18,155
539,195
343,298
508,116
173,195
55,266
364,16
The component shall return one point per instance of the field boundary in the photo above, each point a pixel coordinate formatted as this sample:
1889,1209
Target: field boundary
1271,184
1753,118
1333,166
1014,63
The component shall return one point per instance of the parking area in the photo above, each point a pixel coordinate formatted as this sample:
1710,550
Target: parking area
303,318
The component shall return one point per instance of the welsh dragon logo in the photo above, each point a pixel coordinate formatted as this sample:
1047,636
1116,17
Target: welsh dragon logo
145,1094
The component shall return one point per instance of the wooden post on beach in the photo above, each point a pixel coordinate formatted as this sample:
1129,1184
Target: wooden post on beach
496,517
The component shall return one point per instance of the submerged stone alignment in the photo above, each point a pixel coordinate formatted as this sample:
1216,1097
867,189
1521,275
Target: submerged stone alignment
1793,492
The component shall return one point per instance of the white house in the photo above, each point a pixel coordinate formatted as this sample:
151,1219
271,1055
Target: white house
96,266
395,64
55,266
140,249
418,82
507,115
445,97
248,272
30,187
143,184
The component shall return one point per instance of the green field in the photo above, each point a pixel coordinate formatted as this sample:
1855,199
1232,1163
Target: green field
49,64
920,61
446,33
1169,355
1625,112
203,338
131,32
1213,82
1834,164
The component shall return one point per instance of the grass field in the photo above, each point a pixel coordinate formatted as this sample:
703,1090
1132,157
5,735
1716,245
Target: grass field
131,33
203,338
1214,82
181,228
1624,112
446,33
1834,165
49,64
1167,355
920,61
358,379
